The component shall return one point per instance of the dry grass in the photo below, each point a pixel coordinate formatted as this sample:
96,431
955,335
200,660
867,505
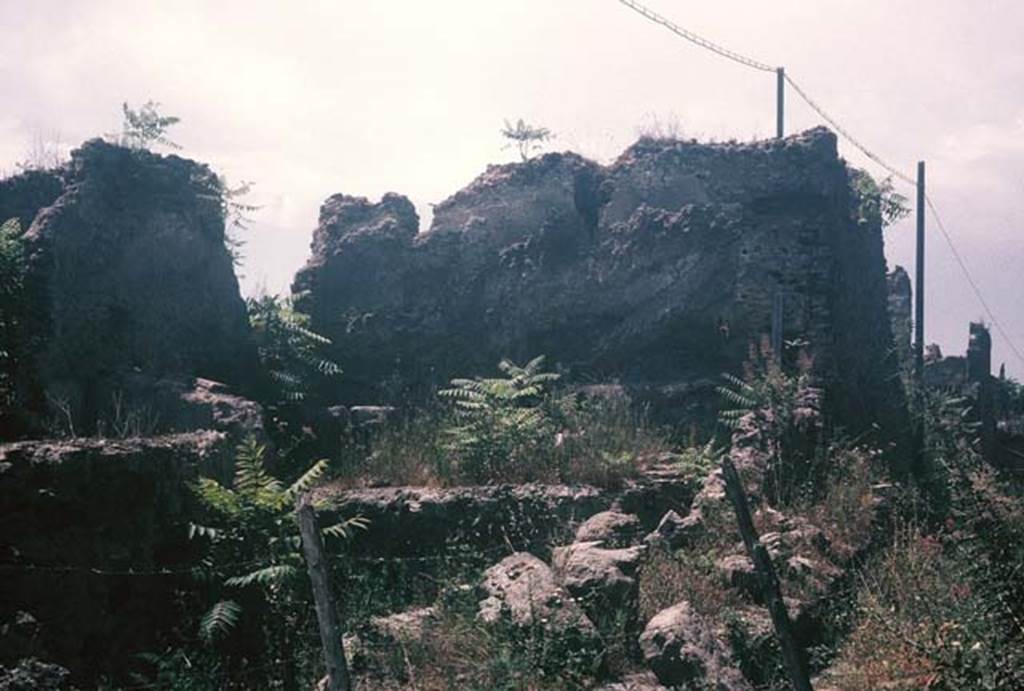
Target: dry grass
926,621
888,648
691,575
847,511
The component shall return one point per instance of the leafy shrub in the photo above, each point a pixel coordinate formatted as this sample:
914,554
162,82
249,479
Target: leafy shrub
12,277
499,423
525,138
290,353
458,651
296,373
253,565
877,201
786,409
515,428
145,127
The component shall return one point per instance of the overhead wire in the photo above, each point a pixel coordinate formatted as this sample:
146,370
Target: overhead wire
970,278
892,170
843,132
697,39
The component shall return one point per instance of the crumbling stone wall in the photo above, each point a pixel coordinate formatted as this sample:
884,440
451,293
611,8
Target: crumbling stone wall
87,528
22,196
127,273
658,271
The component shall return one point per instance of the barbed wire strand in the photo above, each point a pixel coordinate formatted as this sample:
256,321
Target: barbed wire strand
247,673
125,571
454,555
696,39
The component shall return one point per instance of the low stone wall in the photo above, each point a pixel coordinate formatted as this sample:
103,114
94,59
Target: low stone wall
418,521
94,541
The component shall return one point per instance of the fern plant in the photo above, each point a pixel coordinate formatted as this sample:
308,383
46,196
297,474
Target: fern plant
499,422
146,126
697,460
525,138
292,355
253,543
785,407
744,397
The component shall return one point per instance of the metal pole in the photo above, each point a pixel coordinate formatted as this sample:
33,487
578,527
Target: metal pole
919,435
919,282
326,616
777,322
780,101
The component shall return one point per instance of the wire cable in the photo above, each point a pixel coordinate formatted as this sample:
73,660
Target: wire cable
892,170
970,279
696,39
845,134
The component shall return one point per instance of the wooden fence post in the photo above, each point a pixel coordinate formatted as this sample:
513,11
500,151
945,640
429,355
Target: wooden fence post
326,615
792,655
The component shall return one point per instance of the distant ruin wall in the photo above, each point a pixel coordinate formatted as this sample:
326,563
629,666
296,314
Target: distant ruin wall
658,271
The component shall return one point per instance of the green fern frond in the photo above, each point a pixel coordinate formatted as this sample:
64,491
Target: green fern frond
292,325
462,390
285,378
217,497
268,575
328,368
291,385
251,477
196,531
308,480
346,528
220,619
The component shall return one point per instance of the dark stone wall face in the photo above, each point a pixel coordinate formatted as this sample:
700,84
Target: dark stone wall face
129,273
22,196
94,544
657,271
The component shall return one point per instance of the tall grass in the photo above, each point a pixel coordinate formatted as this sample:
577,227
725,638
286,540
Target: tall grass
599,441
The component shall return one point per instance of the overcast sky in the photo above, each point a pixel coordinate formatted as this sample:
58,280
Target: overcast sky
312,98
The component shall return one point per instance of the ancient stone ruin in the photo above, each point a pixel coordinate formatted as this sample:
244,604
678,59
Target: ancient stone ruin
652,275
657,271
128,273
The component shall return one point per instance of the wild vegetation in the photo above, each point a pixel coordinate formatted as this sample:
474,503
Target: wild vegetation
12,276
525,138
519,427
892,580
932,597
